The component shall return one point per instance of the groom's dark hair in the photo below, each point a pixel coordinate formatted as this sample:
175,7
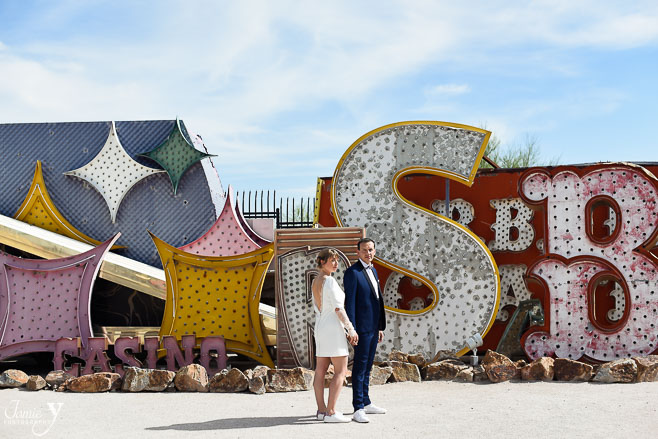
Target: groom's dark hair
363,241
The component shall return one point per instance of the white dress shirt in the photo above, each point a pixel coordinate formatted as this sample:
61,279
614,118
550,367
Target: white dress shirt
371,276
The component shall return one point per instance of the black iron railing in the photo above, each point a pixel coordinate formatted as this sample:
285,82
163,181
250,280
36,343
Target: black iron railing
291,213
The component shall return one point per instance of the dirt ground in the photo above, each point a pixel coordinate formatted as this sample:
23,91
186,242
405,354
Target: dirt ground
429,409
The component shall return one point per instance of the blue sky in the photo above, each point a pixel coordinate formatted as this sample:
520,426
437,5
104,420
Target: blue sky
279,90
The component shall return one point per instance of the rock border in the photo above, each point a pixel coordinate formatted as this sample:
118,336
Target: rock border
400,367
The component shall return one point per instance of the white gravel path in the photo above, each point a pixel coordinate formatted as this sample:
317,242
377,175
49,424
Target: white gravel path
429,409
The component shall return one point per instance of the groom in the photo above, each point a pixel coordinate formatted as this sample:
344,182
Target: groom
364,305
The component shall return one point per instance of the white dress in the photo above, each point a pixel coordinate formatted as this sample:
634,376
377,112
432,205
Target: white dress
330,340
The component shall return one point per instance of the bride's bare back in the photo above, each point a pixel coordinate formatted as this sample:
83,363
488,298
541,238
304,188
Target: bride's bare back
316,288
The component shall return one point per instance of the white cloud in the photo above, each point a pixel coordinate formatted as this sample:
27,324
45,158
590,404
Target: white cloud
242,73
449,89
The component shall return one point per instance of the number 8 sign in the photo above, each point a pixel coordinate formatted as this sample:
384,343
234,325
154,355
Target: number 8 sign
437,251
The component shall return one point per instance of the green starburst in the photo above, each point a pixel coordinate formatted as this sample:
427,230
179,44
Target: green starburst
176,155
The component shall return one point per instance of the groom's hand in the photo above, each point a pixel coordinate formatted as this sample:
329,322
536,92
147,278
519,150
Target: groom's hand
381,337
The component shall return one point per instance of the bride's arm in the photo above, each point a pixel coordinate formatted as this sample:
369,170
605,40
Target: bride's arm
352,336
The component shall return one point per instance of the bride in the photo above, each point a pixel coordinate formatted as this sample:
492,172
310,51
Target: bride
331,329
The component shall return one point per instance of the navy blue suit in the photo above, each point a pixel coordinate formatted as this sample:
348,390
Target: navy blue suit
366,312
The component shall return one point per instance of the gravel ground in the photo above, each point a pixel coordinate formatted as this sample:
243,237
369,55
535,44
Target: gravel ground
430,409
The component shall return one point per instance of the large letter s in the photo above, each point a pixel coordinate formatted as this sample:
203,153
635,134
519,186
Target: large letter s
447,257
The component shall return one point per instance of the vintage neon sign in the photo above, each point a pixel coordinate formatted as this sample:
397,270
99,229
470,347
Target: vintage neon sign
212,354
440,253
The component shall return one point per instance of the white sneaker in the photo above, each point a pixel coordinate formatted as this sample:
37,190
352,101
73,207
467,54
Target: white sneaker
336,417
372,409
319,415
360,416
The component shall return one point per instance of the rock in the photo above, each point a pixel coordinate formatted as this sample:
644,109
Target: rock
35,382
647,368
58,378
465,375
191,378
287,380
498,367
571,370
520,364
249,373
380,374
135,379
13,378
327,379
403,372
257,385
539,370
398,356
115,378
160,380
261,371
445,355
479,375
595,369
94,383
417,359
618,371
443,370
228,381
309,375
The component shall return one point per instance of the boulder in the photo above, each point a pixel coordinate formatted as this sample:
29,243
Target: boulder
228,381
115,378
417,359
445,355
257,385
13,378
465,375
191,378
647,368
135,379
261,371
287,380
249,373
498,367
94,383
380,374
58,378
520,364
619,371
571,370
479,375
539,370
443,370
160,380
35,382
403,372
309,375
398,356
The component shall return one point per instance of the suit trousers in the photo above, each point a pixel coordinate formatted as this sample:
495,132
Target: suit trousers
364,355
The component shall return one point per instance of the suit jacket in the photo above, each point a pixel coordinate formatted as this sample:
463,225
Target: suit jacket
364,309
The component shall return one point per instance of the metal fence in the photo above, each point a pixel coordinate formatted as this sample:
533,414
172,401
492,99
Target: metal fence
289,213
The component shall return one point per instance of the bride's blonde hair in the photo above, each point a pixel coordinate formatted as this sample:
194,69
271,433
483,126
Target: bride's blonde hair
324,256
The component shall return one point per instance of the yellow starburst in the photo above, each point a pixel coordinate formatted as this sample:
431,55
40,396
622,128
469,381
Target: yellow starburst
210,296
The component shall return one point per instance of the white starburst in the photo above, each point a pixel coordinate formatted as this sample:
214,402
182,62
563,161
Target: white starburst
113,172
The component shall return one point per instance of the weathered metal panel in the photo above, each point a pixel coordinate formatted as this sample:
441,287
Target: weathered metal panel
42,301
151,204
